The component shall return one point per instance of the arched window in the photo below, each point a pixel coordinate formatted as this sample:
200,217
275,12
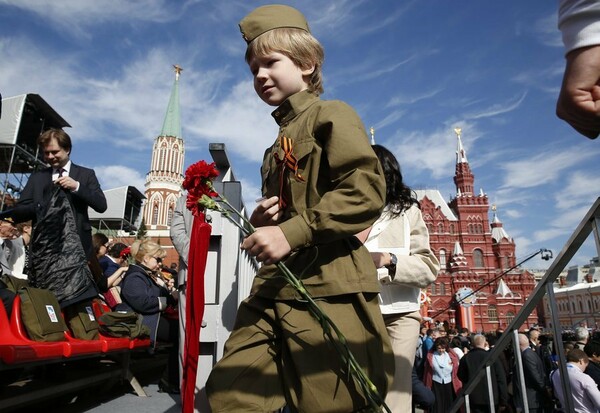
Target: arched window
442,289
163,155
492,313
451,228
173,166
170,215
509,317
443,258
440,228
433,289
478,258
155,214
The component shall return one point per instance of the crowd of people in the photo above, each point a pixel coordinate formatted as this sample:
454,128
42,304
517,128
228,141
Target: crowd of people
447,370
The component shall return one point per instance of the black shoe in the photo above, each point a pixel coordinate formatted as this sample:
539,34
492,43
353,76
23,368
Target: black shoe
164,387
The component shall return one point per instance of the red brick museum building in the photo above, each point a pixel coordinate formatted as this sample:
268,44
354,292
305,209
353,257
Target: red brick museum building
473,253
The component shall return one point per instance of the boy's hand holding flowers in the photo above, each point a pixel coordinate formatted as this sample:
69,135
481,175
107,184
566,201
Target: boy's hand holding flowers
266,213
268,244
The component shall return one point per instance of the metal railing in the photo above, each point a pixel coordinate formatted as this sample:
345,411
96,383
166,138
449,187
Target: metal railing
589,224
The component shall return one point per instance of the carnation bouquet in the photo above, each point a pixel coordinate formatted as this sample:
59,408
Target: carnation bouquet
201,196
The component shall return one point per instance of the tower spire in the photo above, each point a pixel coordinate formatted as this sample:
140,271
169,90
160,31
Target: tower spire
461,154
463,177
172,123
498,231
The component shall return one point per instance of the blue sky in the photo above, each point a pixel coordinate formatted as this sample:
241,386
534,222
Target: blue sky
412,69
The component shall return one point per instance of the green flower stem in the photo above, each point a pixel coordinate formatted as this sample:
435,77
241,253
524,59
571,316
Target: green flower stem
330,330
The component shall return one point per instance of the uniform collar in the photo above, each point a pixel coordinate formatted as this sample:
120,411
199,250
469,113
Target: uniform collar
293,106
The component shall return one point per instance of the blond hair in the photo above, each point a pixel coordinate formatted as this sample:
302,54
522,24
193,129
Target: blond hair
298,45
141,248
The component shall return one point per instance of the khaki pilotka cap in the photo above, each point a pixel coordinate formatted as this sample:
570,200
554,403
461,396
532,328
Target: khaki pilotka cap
273,16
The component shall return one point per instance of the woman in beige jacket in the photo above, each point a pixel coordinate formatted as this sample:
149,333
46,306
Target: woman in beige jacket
399,245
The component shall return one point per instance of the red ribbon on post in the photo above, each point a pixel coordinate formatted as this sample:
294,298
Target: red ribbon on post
198,253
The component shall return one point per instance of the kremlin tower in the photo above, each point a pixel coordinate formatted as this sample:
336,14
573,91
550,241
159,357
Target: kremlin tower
163,182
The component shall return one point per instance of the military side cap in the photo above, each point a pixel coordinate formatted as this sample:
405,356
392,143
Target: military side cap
273,16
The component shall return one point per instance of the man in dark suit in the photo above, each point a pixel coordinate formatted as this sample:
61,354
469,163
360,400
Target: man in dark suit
536,384
66,273
470,365
80,184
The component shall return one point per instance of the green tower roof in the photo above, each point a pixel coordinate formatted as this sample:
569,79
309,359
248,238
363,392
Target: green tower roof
172,124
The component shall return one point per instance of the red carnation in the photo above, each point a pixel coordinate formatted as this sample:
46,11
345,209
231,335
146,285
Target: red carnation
125,253
198,182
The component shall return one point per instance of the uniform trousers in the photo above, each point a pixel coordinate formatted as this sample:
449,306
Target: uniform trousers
403,330
277,355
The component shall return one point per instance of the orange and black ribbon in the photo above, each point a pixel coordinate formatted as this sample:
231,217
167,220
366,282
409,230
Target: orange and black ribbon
290,162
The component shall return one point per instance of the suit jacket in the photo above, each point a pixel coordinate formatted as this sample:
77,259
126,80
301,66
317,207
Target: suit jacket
470,365
38,190
181,228
535,379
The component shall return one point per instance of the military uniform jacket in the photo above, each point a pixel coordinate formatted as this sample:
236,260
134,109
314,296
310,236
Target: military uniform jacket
337,190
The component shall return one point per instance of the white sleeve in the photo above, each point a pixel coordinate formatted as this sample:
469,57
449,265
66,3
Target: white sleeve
579,22
592,392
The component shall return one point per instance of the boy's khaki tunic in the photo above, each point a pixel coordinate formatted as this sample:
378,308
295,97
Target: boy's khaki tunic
277,349
341,192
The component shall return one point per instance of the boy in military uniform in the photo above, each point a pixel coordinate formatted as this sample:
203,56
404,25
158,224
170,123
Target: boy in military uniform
322,183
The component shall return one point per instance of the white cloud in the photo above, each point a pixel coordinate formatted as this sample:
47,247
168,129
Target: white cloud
75,13
115,176
545,167
513,213
373,67
389,119
436,151
581,188
545,29
497,109
241,121
128,109
548,234
523,245
400,99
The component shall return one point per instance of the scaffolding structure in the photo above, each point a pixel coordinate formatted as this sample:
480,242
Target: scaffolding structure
23,119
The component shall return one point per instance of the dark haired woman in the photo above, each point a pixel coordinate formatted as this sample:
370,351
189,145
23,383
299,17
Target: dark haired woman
399,245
